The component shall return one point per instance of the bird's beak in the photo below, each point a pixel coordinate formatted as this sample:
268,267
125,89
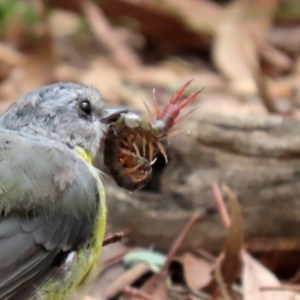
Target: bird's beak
112,114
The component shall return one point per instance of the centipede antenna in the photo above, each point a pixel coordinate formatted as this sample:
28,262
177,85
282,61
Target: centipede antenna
179,92
189,99
149,112
162,150
155,104
185,115
175,133
137,151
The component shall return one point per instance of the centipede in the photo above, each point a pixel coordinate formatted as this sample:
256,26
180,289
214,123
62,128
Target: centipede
132,143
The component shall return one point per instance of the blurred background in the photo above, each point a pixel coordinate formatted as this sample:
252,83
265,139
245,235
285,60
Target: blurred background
242,149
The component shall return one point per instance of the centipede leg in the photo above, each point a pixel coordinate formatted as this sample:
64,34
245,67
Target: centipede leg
185,115
179,92
189,99
126,154
162,150
131,170
125,144
137,151
149,112
123,160
151,151
153,161
144,146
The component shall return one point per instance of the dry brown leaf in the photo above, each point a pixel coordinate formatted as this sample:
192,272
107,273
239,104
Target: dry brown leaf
159,277
255,276
71,22
66,72
156,76
235,54
238,40
276,58
33,71
197,271
122,54
197,15
107,78
105,283
160,292
172,72
126,279
284,86
37,69
10,56
135,294
231,262
228,264
285,38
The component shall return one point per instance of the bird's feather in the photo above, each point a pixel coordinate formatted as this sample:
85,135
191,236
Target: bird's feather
49,201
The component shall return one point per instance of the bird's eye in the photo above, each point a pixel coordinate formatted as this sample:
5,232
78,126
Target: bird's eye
86,107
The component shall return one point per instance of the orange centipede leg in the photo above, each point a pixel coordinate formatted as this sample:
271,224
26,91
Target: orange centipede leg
179,92
123,160
189,99
137,151
131,170
125,143
151,151
184,116
126,154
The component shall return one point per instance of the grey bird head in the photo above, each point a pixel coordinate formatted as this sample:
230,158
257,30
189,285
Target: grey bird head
70,113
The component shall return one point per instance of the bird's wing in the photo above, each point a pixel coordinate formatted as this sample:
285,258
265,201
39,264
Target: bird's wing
48,203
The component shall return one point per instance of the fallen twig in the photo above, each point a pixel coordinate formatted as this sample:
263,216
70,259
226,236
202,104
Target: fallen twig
157,278
117,237
221,205
121,283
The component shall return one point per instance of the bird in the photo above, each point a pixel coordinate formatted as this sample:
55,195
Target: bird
52,200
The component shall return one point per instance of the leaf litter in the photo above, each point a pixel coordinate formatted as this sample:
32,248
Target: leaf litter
126,48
